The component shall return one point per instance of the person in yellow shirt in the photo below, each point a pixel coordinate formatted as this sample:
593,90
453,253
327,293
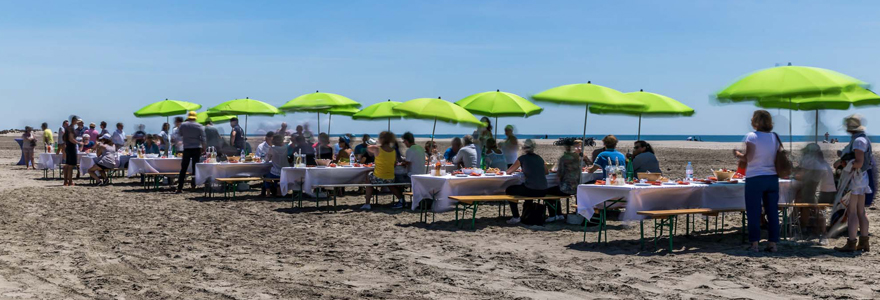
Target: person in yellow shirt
383,173
47,135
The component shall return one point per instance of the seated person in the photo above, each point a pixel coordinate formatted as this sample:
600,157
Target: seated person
609,155
568,175
323,148
263,148
106,152
139,137
360,151
467,155
813,183
535,184
453,150
87,144
343,156
300,145
644,160
493,157
277,156
430,150
150,146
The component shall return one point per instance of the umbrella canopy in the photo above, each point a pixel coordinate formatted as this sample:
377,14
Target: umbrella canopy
318,102
856,96
203,118
381,110
788,81
437,109
246,106
344,110
587,94
655,105
499,104
166,108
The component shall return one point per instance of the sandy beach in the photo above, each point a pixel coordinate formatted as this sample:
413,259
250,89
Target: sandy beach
120,242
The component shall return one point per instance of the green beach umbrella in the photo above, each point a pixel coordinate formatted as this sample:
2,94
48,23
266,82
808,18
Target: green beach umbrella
587,94
381,110
777,83
202,118
246,107
438,110
787,81
499,104
655,105
166,108
318,102
345,111
851,97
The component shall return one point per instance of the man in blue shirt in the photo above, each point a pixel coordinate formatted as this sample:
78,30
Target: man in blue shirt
610,154
451,152
361,153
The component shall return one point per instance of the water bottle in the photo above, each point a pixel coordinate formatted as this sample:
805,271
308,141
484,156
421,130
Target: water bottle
689,171
241,158
352,158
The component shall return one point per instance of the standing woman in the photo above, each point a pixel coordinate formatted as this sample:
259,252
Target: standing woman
762,182
510,147
28,144
70,146
858,153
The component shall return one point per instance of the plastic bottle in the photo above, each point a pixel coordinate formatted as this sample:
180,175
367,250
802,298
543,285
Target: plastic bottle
352,158
241,158
629,170
689,171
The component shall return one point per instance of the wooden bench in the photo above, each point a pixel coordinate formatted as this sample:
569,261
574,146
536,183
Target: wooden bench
667,218
232,183
473,203
785,207
331,195
157,178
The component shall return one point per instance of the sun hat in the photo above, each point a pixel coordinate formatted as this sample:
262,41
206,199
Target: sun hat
191,116
371,142
106,136
529,145
86,136
853,123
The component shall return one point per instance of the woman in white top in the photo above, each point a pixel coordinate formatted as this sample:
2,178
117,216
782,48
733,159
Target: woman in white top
762,182
510,147
858,155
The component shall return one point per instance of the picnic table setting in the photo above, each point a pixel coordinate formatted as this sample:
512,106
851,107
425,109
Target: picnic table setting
208,171
306,178
153,163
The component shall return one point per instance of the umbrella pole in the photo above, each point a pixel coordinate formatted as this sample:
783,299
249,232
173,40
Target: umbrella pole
586,112
790,136
639,136
817,126
319,122
495,135
433,130
329,121
389,124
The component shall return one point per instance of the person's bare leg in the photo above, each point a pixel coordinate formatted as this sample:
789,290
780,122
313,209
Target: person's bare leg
852,216
863,218
396,192
368,191
93,172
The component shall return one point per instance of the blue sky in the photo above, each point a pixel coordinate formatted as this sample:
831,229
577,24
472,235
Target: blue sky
104,60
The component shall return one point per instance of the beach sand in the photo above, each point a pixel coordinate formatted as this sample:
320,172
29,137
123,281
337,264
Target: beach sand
119,242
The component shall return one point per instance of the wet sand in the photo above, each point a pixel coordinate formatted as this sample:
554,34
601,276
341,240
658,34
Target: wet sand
119,242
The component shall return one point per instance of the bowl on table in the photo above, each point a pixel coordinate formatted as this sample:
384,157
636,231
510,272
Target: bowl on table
649,176
723,175
323,162
233,159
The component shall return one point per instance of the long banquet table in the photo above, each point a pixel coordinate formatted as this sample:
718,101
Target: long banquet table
205,171
312,176
86,164
440,188
154,165
639,198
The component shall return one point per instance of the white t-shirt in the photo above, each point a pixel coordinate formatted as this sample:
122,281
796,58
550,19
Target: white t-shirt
510,150
763,162
415,155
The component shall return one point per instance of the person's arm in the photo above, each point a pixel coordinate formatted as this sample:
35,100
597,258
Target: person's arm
203,138
860,159
513,167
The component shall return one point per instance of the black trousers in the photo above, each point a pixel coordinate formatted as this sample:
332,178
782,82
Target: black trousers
522,190
190,157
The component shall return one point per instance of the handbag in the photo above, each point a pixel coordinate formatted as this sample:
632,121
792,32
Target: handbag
783,165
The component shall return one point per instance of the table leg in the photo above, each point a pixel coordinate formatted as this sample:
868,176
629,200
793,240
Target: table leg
687,224
456,213
641,234
671,230
474,215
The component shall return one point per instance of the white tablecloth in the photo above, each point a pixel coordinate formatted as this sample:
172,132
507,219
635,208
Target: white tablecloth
154,165
227,170
318,176
639,198
50,161
423,186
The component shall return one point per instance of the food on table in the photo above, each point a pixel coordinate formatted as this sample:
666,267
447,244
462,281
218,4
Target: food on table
682,182
475,174
600,182
723,174
332,165
493,170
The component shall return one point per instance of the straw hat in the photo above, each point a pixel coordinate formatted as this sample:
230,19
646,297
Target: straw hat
529,145
853,123
191,116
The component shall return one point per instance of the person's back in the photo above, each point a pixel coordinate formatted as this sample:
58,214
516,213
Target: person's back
278,157
495,159
238,141
385,162
415,155
763,161
533,168
192,135
467,156
646,162
609,155
568,171
108,155
212,137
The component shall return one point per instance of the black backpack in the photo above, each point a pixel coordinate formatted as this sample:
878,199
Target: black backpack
533,213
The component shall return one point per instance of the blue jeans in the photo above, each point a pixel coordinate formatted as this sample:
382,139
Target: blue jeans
763,192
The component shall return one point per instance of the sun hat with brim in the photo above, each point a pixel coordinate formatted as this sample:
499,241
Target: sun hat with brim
529,145
853,123
106,136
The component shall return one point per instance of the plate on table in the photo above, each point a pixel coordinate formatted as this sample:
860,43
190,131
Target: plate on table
460,175
489,174
670,183
642,184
